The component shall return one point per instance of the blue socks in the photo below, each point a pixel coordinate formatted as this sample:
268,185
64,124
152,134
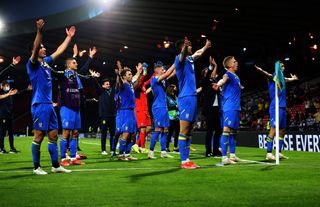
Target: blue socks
182,143
53,150
224,142
269,144
63,148
122,146
232,142
35,148
129,145
154,138
281,141
112,143
73,147
188,143
163,140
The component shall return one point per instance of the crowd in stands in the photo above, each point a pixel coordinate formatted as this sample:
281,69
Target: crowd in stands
303,109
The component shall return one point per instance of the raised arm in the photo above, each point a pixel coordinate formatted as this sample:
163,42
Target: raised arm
292,78
199,53
184,50
265,73
166,74
85,68
214,66
15,61
37,41
75,51
70,33
137,76
221,82
174,72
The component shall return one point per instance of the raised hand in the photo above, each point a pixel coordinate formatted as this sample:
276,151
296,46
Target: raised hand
139,67
75,50
16,60
119,65
92,52
40,24
212,61
71,31
294,77
94,73
208,44
82,52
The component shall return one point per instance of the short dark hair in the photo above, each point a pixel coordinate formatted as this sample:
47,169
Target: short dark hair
179,44
170,88
105,80
67,60
124,72
226,60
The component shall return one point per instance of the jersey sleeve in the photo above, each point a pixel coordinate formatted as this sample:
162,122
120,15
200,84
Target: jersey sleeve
32,65
48,59
177,63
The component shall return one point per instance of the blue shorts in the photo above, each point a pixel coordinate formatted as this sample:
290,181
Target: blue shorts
126,121
188,108
282,117
44,117
161,117
231,119
70,118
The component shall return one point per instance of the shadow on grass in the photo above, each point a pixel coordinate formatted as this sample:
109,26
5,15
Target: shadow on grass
17,176
268,168
137,177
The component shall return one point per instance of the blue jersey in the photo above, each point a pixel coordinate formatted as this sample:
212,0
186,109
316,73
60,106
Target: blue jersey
231,92
186,76
126,95
160,97
272,94
40,77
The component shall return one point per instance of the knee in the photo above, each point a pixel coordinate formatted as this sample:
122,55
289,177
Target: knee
75,134
38,135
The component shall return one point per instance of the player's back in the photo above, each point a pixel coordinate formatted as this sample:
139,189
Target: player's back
186,76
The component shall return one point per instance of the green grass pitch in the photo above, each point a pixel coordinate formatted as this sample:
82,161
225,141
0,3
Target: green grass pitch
105,182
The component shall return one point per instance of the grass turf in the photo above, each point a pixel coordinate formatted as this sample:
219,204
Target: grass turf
105,182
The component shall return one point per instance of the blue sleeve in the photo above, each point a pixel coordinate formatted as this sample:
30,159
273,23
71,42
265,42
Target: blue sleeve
31,66
177,64
48,59
152,81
